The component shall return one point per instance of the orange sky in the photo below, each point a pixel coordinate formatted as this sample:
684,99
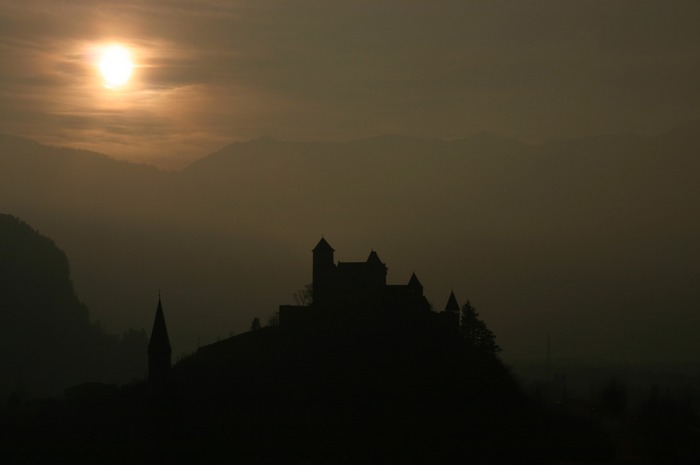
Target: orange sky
212,72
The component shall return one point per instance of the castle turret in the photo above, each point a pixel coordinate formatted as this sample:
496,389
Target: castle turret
159,350
322,271
451,313
377,269
452,305
415,285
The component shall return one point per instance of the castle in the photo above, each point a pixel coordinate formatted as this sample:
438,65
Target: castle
350,294
357,292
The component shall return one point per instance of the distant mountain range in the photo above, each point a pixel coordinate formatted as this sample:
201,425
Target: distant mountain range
591,240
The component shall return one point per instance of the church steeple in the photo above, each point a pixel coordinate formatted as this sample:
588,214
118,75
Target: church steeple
159,350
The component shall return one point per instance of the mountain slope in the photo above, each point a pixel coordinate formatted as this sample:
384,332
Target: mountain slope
592,240
47,342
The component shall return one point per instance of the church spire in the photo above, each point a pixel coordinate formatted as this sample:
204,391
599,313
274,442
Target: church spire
159,350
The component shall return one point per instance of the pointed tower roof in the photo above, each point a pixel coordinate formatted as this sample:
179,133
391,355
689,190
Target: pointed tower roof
323,245
452,305
159,334
373,259
414,283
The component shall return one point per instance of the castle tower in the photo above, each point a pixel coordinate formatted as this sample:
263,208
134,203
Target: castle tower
452,305
377,269
415,285
323,268
451,312
159,350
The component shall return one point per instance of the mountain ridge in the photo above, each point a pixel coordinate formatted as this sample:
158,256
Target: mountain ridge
518,230
47,341
688,130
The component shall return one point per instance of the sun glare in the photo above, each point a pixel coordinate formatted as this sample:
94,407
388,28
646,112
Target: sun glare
115,66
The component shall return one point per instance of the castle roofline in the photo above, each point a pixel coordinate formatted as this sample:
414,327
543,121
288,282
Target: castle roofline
323,245
414,281
452,304
373,259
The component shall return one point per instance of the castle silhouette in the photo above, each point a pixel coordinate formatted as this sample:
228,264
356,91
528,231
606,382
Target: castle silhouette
357,292
347,294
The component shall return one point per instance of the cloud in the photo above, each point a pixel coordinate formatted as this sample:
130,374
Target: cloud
222,70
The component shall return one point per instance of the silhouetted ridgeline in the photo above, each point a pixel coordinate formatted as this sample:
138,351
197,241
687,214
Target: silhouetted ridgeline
365,373
309,394
576,237
378,394
47,341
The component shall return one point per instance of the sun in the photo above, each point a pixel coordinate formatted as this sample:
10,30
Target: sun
115,66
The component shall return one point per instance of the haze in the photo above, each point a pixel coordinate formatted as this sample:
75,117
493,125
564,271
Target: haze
538,158
212,72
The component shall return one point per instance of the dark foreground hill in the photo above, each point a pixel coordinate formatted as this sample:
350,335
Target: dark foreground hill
306,395
47,341
366,395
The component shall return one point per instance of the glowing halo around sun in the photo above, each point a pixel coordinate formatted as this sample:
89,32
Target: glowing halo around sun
115,66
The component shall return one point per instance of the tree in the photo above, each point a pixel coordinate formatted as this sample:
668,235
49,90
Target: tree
255,325
304,296
475,331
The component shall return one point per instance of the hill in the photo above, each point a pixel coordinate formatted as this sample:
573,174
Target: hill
586,239
371,395
47,341
307,395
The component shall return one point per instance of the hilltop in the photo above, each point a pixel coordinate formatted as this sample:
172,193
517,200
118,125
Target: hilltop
306,395
372,396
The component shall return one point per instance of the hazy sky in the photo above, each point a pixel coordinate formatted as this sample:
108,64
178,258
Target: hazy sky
211,72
